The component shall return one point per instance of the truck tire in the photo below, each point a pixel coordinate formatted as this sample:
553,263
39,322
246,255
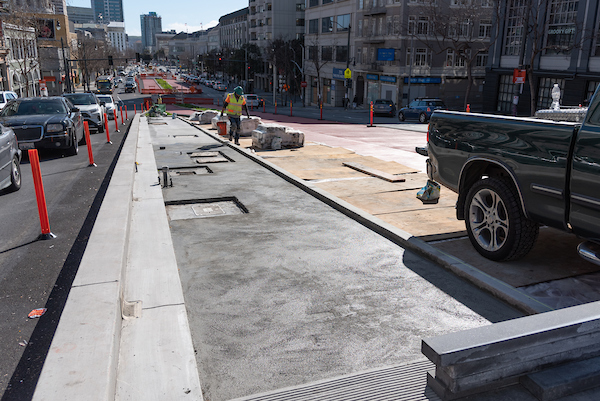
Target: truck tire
495,222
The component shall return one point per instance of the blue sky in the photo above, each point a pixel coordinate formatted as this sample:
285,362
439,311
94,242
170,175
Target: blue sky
181,15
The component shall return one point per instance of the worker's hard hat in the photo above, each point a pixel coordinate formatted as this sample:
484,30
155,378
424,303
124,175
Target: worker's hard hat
238,91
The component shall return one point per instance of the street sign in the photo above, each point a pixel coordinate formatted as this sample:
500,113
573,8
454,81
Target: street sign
347,73
519,76
303,84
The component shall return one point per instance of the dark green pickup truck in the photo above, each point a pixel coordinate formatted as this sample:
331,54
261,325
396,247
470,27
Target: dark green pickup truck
514,174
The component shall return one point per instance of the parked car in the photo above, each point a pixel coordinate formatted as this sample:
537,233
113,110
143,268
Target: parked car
254,100
220,86
90,107
44,122
5,97
421,109
10,160
384,106
109,105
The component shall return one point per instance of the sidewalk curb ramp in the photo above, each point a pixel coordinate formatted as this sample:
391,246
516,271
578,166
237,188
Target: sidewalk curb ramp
124,332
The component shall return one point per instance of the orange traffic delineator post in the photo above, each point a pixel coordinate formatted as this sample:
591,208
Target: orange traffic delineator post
290,108
39,195
371,115
275,107
116,121
121,115
106,129
134,108
468,108
321,107
264,107
88,141
126,115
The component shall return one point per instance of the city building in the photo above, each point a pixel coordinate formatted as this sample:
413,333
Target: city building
271,20
234,29
80,15
106,11
162,43
562,47
151,24
117,36
399,50
21,72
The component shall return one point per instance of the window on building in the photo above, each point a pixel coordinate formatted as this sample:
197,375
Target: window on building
343,22
327,1
514,28
313,26
423,26
561,25
485,28
269,6
396,24
267,21
380,26
313,3
299,6
505,94
341,53
481,59
366,31
487,3
359,32
449,58
269,35
544,98
364,55
360,4
313,53
327,53
421,58
389,26
412,24
326,24
299,21
359,55
465,27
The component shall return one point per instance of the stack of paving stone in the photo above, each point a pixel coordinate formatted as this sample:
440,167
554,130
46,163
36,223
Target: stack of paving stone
275,136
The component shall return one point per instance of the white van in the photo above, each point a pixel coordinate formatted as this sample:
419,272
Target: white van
5,96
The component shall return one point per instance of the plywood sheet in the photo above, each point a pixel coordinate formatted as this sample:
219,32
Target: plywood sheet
371,185
427,222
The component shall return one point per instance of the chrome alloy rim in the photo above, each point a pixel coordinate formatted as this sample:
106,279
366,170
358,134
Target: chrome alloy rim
489,220
15,172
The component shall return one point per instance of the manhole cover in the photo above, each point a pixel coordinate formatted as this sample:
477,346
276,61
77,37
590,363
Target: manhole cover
209,157
203,209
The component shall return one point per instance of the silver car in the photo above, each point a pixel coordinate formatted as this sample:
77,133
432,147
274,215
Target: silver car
90,107
109,105
10,160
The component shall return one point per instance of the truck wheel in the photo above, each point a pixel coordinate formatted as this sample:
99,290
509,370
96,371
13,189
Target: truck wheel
496,225
401,116
422,118
15,175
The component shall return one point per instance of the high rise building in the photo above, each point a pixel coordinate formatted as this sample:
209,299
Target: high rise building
151,24
106,11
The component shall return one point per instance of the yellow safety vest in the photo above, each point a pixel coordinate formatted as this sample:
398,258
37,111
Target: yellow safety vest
234,106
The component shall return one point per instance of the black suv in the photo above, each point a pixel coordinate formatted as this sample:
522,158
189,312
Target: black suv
130,86
421,109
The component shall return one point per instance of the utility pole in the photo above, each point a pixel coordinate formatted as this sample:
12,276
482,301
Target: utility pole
516,88
348,66
66,65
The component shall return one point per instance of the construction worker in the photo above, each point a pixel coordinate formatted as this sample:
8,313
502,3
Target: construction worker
233,105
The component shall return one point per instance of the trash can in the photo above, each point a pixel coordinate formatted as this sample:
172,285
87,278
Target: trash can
222,125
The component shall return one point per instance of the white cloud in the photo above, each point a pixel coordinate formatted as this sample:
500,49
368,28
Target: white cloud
181,27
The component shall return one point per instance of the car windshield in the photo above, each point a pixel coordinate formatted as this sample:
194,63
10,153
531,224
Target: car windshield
105,99
81,99
25,108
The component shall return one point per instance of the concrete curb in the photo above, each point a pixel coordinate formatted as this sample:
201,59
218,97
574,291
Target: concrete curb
83,357
400,237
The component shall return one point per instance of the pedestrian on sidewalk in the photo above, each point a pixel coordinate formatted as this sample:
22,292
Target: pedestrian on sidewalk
233,105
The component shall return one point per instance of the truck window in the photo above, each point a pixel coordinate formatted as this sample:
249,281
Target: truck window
594,113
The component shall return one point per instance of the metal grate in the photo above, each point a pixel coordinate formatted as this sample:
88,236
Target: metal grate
406,382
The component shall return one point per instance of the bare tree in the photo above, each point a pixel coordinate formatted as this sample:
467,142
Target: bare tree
316,62
460,29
